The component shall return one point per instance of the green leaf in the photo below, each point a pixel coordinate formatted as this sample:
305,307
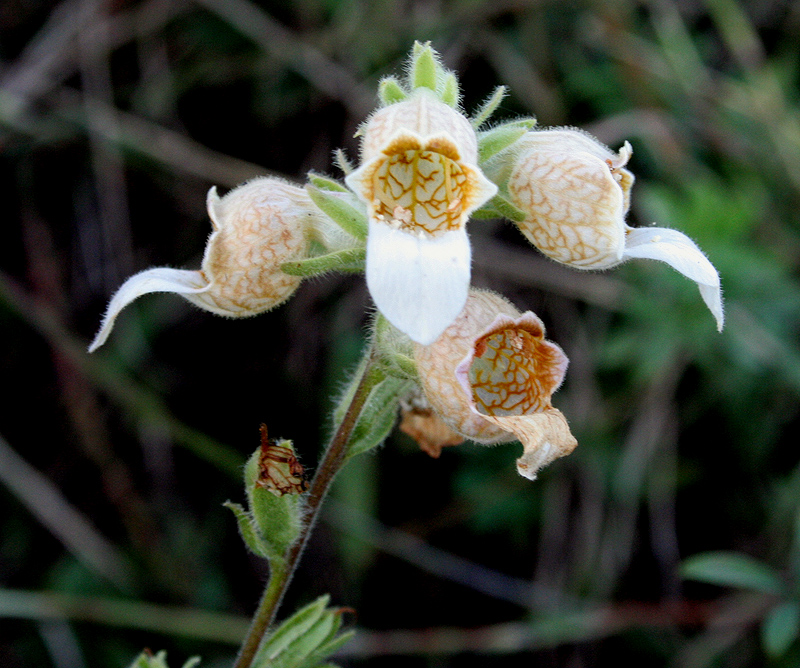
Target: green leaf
248,530
326,649
147,660
732,569
424,67
780,628
347,261
343,208
326,183
191,662
290,630
306,644
377,418
491,142
489,107
390,91
278,518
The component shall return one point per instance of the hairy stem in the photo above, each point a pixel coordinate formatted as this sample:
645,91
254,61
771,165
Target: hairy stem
332,460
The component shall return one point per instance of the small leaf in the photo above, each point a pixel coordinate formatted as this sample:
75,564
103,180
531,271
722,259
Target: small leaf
148,660
289,631
390,91
306,644
248,530
326,649
191,662
343,209
424,67
325,183
732,569
780,628
489,107
347,261
377,418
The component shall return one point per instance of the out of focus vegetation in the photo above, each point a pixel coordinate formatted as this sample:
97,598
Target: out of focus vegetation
116,118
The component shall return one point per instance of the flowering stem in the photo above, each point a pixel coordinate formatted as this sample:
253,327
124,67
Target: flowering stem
332,460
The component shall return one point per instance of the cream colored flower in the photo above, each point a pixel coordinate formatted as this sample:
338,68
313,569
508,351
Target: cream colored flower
255,228
575,193
420,180
490,377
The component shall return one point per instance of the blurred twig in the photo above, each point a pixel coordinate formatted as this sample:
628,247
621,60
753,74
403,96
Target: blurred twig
168,620
61,518
291,50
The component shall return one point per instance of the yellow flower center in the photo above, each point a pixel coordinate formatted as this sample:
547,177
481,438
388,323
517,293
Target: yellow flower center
419,190
513,372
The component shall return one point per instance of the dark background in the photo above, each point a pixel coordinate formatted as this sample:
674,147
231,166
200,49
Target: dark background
116,118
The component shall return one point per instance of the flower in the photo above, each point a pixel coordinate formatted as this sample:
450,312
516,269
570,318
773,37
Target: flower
490,377
420,181
255,228
575,193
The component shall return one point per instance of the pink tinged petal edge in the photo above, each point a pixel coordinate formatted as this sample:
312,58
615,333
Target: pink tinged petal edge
159,279
419,283
683,255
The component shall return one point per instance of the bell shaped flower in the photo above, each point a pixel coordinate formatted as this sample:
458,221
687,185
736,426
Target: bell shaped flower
575,194
255,228
420,180
490,377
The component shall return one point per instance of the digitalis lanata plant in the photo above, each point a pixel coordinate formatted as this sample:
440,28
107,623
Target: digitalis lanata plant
461,363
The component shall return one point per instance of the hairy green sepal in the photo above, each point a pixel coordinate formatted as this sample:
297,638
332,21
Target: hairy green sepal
305,640
390,91
489,107
500,207
491,142
326,183
343,208
347,261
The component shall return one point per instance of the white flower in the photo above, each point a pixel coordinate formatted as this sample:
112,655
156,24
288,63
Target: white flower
575,193
420,180
256,228
490,377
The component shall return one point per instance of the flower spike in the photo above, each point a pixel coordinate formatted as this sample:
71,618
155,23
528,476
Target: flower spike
575,194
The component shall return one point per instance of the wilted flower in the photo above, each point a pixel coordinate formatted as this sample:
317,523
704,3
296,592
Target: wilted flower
575,193
256,228
490,377
420,180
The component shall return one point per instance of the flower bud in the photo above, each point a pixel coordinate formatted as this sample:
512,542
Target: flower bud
256,228
490,377
575,194
420,181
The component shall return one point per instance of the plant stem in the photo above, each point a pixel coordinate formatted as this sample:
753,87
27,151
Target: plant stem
332,460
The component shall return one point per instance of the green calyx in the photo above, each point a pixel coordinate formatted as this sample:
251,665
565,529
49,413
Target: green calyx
273,519
425,70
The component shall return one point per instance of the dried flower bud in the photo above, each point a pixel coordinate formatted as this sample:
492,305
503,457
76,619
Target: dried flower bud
575,193
256,228
278,468
490,377
420,180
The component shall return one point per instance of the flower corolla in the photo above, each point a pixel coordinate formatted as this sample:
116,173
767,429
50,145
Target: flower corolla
490,377
575,193
420,180
256,228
